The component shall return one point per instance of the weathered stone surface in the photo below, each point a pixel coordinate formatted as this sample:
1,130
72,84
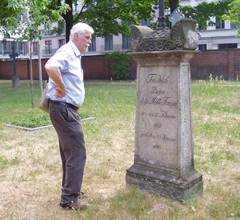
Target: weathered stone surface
137,34
16,82
163,159
183,36
166,185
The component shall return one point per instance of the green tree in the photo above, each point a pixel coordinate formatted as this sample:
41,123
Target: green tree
104,15
234,13
25,21
205,10
6,11
121,66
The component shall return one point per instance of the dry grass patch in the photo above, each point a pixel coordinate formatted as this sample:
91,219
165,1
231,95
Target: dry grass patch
30,173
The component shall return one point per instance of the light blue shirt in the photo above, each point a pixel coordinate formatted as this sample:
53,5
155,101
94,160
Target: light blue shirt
68,60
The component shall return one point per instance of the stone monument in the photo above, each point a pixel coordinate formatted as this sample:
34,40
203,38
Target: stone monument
164,158
15,79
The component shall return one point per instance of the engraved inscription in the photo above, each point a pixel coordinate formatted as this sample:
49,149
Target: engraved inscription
157,125
155,78
159,104
156,91
163,137
163,101
157,146
162,114
159,101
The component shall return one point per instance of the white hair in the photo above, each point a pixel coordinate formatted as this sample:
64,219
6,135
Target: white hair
80,28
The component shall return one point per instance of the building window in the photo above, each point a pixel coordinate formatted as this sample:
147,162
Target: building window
61,42
227,46
220,23
109,43
35,48
92,46
202,47
125,42
75,7
146,22
47,30
61,25
4,47
233,26
48,47
22,48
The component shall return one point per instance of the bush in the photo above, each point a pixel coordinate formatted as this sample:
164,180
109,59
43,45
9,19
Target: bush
33,121
121,66
37,121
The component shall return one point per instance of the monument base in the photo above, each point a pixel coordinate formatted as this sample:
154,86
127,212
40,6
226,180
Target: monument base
167,184
16,82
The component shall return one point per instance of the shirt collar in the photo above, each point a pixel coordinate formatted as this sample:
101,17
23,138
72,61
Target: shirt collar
75,49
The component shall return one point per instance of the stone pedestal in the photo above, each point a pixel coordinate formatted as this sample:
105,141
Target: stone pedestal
163,159
16,82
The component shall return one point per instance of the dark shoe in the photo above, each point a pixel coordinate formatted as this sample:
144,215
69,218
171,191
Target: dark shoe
74,205
83,195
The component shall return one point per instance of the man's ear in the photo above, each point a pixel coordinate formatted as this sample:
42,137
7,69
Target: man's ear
76,35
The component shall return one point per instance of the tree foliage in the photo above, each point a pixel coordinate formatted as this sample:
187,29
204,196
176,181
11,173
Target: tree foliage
111,12
234,13
25,21
205,10
27,17
108,17
105,16
6,12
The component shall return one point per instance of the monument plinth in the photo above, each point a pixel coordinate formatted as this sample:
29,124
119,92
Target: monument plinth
164,158
15,78
15,82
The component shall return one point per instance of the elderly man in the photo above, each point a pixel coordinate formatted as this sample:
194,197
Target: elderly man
66,93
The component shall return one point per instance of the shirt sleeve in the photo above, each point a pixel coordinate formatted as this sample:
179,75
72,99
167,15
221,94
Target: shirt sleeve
60,60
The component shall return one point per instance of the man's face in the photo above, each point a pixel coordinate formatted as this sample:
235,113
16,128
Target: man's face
83,41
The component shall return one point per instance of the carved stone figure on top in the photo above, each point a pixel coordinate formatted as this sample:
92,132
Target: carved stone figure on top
183,36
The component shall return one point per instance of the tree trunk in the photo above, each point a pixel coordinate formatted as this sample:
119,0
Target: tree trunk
40,67
31,73
68,20
173,4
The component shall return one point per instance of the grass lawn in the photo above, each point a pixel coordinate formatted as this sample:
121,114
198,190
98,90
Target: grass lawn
30,164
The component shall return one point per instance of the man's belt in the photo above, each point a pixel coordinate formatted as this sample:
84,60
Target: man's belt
54,102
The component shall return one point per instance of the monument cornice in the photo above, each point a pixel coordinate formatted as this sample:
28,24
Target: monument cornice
166,54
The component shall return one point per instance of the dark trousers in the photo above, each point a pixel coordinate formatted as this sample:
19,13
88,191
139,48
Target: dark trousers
67,124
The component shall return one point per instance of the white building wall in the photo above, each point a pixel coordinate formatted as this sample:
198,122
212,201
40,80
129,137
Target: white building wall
211,37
